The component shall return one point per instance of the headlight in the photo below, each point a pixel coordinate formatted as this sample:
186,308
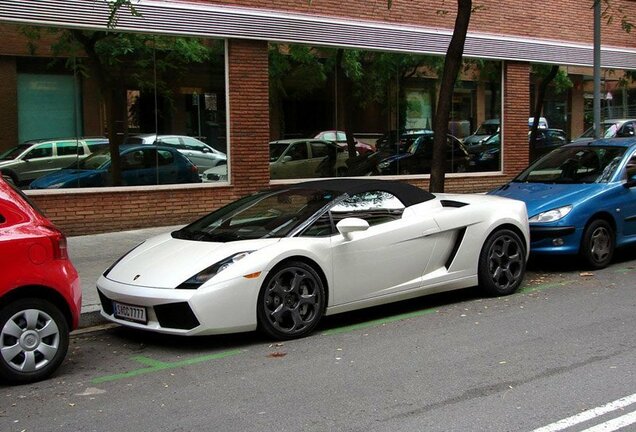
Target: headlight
383,165
205,275
551,215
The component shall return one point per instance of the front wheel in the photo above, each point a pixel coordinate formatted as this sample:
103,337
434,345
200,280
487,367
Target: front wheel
291,301
597,246
34,339
502,263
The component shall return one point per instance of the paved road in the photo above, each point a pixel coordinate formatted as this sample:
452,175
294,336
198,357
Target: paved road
547,357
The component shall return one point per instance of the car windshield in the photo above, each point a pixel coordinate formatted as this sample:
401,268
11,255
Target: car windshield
493,140
14,152
272,214
94,161
577,164
487,129
275,150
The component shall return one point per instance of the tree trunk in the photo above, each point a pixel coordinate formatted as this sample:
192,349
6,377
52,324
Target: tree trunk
538,106
452,64
114,98
344,102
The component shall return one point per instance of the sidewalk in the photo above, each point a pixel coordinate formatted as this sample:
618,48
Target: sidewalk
92,254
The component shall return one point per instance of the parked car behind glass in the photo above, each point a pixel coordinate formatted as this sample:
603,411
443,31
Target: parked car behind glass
40,295
306,158
340,138
201,154
547,140
140,165
418,158
26,162
610,128
487,129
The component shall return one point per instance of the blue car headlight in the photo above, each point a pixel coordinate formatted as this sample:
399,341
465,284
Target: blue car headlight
205,275
551,215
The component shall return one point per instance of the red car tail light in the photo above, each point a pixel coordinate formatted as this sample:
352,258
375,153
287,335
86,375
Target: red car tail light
59,243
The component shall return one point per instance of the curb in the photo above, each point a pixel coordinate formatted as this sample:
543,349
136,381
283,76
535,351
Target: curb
91,319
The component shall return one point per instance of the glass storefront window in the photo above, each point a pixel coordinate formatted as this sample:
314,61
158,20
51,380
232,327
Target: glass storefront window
385,101
115,109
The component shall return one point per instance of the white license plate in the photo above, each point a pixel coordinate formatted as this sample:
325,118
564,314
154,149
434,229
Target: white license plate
130,312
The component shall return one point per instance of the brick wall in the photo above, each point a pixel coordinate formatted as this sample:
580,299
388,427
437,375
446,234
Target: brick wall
516,108
569,20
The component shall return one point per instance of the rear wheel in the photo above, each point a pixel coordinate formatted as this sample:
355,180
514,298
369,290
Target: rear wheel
502,263
34,339
598,243
291,301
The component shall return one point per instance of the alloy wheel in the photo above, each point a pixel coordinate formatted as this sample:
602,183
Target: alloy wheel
293,301
505,262
29,340
600,244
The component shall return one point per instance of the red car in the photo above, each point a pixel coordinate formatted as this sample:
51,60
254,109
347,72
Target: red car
40,294
340,138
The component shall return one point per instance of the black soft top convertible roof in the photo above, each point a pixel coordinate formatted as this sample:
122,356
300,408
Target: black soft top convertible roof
408,194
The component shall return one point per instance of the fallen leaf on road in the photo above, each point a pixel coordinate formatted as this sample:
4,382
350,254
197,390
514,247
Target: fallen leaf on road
586,274
276,354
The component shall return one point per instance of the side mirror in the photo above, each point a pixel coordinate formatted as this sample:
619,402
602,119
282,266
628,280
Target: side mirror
351,225
631,181
286,159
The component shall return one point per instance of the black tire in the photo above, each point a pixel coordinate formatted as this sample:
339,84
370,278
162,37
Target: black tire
34,339
291,301
502,263
598,244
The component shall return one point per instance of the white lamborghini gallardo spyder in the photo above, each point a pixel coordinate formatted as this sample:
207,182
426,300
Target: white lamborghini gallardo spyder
280,259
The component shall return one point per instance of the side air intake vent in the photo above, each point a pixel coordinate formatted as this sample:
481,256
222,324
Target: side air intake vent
458,241
451,203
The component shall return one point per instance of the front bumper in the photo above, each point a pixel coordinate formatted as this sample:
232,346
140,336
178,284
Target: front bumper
228,307
563,240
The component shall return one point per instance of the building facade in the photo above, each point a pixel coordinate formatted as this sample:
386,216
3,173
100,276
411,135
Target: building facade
219,80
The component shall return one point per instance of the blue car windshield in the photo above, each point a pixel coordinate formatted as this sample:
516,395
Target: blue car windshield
271,214
95,161
576,164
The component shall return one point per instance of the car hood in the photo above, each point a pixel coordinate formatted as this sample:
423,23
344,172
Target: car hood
61,176
396,157
8,162
166,262
540,197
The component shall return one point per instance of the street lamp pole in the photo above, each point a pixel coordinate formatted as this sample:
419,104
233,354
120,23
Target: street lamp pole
597,69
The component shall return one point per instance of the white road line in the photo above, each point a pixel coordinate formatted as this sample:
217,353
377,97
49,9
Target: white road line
588,415
614,424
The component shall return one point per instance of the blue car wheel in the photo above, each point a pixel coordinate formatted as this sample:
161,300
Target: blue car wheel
597,246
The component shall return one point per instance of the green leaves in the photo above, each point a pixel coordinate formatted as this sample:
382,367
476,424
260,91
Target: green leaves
115,6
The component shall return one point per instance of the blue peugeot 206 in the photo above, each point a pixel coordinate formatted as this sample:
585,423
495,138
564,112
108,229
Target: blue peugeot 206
581,199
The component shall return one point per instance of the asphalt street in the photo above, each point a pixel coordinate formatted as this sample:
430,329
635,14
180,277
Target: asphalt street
558,355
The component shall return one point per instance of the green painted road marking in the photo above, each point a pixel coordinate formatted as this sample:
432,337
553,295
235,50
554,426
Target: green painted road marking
541,287
156,366
373,323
